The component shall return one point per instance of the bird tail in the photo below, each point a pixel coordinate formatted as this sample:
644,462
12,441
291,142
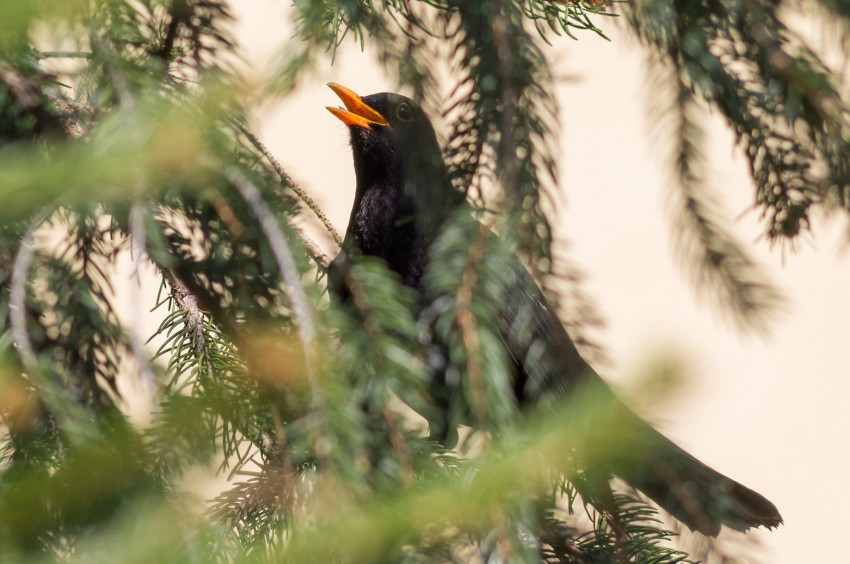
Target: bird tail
699,496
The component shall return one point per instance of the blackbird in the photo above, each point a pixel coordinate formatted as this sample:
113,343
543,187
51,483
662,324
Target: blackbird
402,201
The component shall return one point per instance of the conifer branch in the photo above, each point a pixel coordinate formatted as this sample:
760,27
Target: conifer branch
287,182
287,267
468,325
18,297
293,394
716,262
137,340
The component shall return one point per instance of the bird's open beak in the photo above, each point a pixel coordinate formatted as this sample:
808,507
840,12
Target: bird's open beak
357,112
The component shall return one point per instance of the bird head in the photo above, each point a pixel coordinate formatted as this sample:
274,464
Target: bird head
395,148
385,124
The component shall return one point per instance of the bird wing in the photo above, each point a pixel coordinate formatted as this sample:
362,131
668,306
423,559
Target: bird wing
551,374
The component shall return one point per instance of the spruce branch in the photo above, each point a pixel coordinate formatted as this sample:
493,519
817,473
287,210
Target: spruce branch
166,51
63,55
223,238
468,325
188,303
300,192
119,81
137,340
505,131
716,261
18,296
778,97
288,270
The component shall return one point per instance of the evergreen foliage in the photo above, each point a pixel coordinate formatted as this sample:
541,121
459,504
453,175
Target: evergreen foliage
135,142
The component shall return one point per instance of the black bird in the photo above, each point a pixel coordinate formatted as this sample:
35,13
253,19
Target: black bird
402,199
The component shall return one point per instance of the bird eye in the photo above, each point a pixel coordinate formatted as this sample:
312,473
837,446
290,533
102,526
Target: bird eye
404,112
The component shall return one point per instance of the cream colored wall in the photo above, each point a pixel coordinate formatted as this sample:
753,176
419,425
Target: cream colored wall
771,411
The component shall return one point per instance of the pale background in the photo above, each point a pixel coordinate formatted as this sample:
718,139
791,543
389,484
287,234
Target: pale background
771,411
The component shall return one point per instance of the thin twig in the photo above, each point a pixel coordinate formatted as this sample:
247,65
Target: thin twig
190,305
318,253
28,97
507,145
166,51
284,178
362,302
399,444
63,55
119,81
188,302
468,324
286,266
18,295
137,340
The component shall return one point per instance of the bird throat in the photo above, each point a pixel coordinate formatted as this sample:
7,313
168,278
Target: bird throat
383,224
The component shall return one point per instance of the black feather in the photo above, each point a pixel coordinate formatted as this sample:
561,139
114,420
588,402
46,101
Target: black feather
403,197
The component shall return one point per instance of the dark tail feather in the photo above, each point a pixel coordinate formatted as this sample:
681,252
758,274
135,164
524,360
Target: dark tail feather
698,496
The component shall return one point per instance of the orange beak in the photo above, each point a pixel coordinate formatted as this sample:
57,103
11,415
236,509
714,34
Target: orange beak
356,112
